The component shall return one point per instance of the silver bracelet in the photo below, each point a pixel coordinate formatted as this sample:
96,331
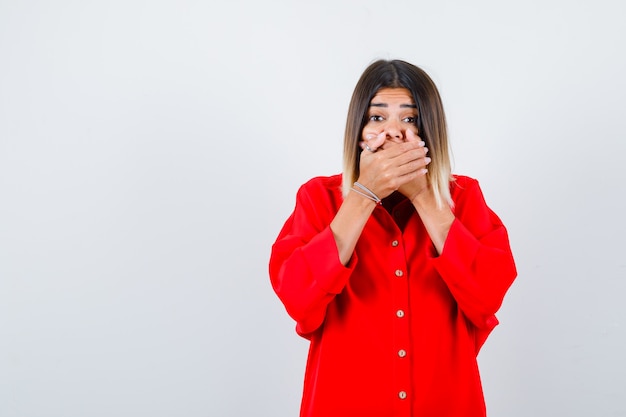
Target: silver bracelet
367,194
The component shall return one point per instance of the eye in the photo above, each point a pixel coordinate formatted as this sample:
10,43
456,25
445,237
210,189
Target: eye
410,119
375,118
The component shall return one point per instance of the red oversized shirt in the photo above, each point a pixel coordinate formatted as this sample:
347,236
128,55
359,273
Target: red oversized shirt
396,332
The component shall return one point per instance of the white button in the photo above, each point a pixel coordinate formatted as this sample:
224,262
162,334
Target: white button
402,395
394,243
399,272
402,353
400,313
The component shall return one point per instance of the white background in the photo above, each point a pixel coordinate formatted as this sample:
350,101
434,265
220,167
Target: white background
151,150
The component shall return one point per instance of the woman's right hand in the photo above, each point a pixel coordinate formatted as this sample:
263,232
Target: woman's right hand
384,169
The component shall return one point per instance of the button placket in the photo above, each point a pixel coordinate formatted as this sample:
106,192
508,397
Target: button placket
401,338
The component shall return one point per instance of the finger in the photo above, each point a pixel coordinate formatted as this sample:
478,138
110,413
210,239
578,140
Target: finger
407,151
419,166
413,137
412,159
366,146
412,175
375,141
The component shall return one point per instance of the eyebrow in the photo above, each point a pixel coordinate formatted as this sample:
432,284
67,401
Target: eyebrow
408,106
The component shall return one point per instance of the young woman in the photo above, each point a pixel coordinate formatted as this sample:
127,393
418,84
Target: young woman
394,270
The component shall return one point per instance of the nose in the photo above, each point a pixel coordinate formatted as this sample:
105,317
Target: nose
394,130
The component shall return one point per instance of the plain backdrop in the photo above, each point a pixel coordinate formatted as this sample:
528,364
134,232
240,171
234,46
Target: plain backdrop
150,151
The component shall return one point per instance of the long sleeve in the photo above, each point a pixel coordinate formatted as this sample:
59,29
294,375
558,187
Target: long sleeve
476,263
305,269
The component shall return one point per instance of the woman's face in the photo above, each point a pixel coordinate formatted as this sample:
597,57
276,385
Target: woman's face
392,111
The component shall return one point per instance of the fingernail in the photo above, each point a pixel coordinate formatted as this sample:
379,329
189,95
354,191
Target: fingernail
422,143
427,159
425,149
424,171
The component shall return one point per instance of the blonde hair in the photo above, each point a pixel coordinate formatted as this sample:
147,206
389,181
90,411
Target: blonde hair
431,122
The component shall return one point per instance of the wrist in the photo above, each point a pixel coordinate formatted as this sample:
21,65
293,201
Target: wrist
358,200
365,192
426,201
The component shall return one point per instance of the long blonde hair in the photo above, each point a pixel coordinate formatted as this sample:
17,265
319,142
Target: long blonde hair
431,121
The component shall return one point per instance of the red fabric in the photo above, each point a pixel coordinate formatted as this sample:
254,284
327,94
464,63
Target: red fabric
350,313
